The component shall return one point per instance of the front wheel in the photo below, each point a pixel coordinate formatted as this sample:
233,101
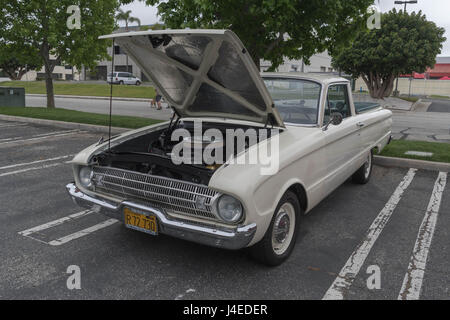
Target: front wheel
138,83
279,240
362,176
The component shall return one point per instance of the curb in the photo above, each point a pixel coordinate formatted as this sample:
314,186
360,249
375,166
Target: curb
90,97
411,163
66,125
421,106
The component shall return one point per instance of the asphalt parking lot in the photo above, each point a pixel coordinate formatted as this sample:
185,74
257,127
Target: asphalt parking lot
399,222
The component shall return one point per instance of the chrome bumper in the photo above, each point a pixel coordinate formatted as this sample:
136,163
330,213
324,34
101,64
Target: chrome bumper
227,238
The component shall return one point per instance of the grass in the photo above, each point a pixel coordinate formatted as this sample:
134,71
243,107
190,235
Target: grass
78,116
410,99
84,89
397,148
439,97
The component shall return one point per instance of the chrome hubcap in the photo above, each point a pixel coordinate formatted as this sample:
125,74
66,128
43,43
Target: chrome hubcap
283,229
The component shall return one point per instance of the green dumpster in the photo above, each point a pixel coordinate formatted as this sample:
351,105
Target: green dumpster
12,97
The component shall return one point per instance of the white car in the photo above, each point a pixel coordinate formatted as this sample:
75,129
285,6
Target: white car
208,77
123,78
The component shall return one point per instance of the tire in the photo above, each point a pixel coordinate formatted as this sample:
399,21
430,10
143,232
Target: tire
121,82
362,176
271,251
138,83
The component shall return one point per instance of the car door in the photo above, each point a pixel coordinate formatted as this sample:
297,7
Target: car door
342,142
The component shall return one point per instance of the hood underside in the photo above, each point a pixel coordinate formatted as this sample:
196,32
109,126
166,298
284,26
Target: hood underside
202,73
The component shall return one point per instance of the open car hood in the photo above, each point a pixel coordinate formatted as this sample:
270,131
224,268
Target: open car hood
202,73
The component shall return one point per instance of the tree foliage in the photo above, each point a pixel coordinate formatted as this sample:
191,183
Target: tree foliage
405,43
42,24
15,61
272,29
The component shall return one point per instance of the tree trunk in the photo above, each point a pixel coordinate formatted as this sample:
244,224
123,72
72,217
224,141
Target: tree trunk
49,66
379,86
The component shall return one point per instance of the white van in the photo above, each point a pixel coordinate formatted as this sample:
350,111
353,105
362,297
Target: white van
123,78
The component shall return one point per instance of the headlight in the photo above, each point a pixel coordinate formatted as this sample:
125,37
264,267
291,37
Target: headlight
86,177
229,208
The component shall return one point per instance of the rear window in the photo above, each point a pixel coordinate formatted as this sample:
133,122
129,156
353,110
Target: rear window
297,101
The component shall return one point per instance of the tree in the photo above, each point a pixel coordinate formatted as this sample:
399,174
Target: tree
272,29
127,18
404,43
16,61
43,25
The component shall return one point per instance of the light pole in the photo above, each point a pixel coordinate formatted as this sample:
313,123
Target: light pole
405,3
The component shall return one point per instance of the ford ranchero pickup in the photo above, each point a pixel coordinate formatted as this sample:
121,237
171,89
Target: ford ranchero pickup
207,76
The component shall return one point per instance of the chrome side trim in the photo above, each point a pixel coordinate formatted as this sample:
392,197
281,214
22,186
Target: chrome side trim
222,237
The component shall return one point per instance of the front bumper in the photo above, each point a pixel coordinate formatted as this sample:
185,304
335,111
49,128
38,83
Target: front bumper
227,238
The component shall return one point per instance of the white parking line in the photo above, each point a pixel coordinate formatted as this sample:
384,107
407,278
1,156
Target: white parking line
34,162
83,232
412,282
55,222
13,125
351,269
29,232
40,137
30,169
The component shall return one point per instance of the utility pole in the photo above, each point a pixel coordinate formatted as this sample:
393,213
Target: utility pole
404,10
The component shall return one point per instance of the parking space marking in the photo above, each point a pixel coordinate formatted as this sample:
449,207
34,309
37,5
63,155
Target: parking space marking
29,232
412,282
83,232
41,136
55,222
13,125
35,162
351,269
45,166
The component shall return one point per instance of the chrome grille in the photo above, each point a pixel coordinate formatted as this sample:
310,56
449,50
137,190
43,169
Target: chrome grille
172,195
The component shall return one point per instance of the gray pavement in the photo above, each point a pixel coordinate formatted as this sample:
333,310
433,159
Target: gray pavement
119,263
440,105
421,126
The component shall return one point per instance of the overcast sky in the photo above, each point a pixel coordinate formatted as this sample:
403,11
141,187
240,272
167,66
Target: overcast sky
435,10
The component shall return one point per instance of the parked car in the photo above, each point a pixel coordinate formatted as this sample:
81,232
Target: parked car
123,78
208,76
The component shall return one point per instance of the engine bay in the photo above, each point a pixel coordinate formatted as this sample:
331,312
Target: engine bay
155,152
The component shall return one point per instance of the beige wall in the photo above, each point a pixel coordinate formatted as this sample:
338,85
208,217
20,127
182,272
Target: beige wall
418,86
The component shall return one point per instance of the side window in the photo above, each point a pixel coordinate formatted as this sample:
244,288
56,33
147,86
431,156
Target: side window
337,101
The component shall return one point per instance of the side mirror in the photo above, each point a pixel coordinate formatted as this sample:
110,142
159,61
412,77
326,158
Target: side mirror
336,119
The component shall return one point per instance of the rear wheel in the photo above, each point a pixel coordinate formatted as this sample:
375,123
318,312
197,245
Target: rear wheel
279,240
121,82
362,176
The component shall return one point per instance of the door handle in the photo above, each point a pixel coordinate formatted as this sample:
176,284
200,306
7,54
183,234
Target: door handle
360,124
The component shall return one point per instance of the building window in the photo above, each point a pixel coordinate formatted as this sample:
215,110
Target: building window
117,50
323,69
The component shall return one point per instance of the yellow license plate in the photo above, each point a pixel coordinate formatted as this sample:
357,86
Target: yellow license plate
140,222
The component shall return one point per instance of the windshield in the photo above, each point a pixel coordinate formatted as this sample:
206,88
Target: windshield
297,101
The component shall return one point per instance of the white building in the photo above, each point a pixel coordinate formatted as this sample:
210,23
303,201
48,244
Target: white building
320,62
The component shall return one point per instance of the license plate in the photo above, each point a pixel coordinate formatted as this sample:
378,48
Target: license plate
140,222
